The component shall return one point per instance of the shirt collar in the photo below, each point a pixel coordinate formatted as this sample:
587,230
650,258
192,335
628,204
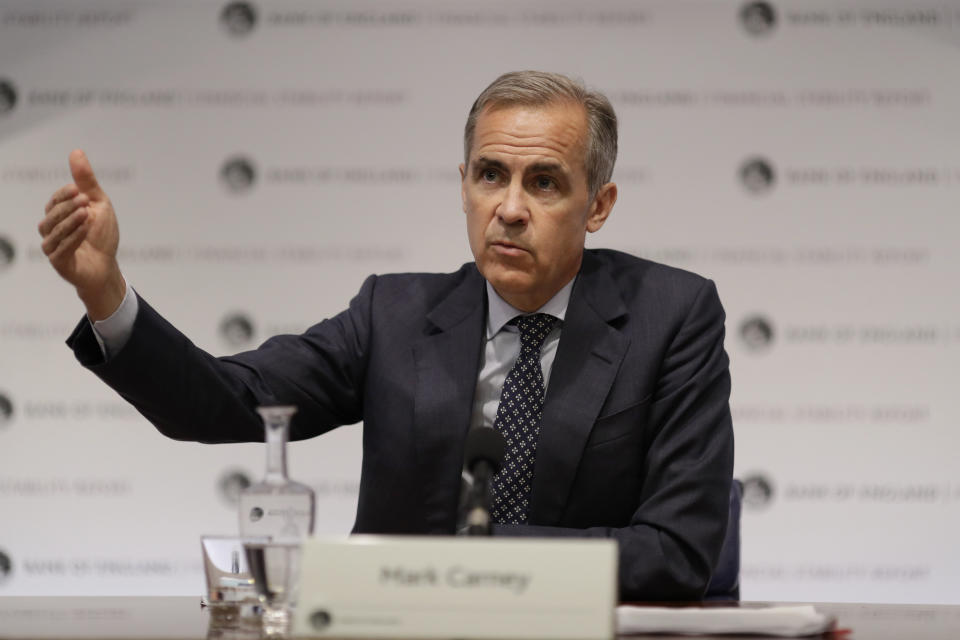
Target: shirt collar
500,312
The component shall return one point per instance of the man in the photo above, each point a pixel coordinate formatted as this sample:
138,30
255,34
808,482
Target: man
626,431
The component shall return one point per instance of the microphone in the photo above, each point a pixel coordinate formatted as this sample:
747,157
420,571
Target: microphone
483,457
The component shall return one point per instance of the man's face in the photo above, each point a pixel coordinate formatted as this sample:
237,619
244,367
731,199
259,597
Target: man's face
527,202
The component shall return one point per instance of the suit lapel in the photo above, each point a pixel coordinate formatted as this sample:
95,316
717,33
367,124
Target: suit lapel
588,358
447,360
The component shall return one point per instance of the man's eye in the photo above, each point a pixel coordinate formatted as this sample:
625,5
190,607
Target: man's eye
545,183
488,175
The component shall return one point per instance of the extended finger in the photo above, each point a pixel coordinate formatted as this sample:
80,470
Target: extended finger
60,212
83,174
65,192
51,242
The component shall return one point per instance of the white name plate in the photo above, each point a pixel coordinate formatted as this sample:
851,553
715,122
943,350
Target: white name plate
438,587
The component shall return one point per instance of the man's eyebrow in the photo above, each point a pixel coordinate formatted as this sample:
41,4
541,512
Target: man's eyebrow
483,161
545,167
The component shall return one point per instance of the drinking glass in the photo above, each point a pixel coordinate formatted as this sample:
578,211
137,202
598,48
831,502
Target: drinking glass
225,569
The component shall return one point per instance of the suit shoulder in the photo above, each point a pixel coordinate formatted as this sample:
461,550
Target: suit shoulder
659,294
635,274
427,289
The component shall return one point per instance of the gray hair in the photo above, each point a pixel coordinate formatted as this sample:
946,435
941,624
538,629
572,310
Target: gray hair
539,88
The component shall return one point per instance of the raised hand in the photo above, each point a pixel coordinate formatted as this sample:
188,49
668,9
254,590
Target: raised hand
80,238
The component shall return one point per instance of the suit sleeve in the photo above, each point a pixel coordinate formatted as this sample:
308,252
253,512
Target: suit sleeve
189,394
672,542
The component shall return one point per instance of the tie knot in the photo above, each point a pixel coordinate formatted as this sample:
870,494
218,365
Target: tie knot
534,328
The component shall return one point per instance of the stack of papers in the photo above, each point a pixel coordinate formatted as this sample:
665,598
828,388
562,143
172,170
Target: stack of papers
787,621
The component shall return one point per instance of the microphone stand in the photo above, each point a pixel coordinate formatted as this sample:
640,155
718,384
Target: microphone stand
478,521
483,457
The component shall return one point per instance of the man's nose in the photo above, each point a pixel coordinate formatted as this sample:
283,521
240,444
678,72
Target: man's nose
513,207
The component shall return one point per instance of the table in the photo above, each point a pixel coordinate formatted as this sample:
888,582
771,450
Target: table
183,618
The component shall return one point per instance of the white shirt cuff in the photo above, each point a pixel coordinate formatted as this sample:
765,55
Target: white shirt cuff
113,332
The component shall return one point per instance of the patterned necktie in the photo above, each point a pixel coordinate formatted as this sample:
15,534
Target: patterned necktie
518,419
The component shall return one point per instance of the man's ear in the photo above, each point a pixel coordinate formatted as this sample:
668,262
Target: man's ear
463,186
601,206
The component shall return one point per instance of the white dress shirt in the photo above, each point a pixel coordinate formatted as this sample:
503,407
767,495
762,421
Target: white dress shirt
502,347
113,332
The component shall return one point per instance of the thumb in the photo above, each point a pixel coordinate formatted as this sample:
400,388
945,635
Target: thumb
83,175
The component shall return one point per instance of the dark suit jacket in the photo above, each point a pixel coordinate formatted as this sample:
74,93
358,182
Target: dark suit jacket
636,441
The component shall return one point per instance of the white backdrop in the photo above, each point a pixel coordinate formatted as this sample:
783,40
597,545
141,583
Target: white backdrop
807,164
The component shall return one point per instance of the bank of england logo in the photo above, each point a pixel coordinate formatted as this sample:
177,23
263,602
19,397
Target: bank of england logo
757,175
7,253
6,410
757,333
238,174
238,18
6,566
320,619
231,484
237,330
757,491
758,18
8,96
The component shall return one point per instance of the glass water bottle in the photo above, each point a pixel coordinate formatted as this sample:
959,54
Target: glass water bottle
277,507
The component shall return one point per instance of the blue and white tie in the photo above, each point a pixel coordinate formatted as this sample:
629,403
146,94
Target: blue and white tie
518,419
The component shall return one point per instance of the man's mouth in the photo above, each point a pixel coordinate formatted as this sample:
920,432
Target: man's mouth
508,248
